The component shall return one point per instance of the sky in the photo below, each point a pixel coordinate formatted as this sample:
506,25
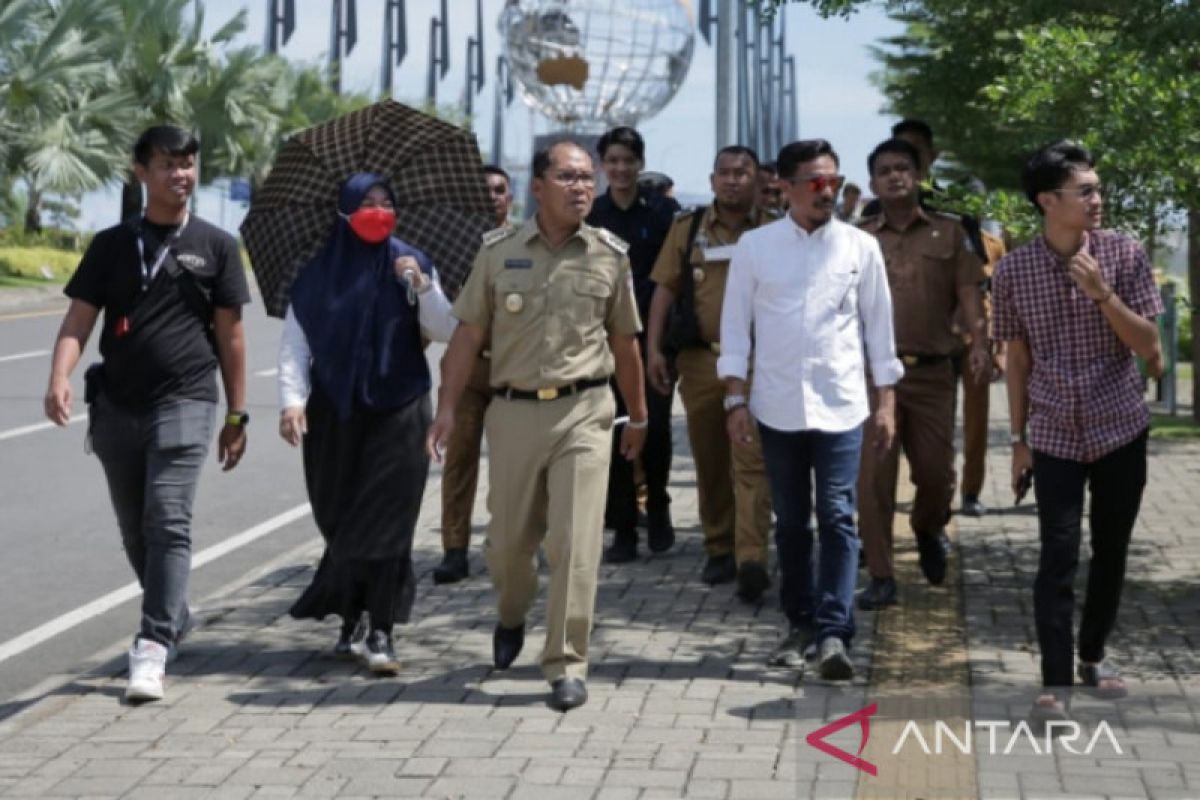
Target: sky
836,98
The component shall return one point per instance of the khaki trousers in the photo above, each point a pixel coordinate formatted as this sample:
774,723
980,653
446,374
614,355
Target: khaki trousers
548,474
925,430
975,431
460,471
735,497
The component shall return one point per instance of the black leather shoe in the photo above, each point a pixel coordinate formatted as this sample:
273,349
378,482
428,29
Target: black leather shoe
567,693
453,567
752,581
932,549
623,549
971,506
506,645
660,533
719,569
880,592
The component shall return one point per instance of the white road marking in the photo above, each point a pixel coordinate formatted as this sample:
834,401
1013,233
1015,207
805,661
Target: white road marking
268,373
30,354
63,623
13,433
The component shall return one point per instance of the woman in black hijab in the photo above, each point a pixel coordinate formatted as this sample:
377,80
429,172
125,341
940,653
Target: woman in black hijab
354,388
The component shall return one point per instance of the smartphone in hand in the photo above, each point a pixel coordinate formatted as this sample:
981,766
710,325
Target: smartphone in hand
1023,485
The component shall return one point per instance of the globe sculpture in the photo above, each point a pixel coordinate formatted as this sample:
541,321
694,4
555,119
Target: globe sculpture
593,64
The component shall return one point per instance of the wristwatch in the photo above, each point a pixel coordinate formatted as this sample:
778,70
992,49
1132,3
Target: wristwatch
733,401
237,418
1016,438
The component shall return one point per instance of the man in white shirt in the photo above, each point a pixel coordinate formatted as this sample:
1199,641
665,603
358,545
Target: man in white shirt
812,292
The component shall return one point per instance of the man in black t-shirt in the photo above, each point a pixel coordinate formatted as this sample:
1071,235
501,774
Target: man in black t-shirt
642,220
171,287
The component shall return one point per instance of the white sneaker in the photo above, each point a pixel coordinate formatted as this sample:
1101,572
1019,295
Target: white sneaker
147,667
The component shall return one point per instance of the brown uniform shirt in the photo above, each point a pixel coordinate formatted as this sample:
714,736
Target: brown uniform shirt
708,259
926,263
548,312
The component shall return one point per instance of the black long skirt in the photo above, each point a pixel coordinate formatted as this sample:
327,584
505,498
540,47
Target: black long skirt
366,475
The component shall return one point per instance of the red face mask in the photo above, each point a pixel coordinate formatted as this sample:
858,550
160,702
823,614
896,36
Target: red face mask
374,224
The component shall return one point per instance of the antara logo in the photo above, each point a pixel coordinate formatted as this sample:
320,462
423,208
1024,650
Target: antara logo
1064,735
863,718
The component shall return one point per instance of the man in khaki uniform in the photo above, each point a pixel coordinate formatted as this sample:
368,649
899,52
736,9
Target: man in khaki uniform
976,394
460,473
932,272
555,298
735,497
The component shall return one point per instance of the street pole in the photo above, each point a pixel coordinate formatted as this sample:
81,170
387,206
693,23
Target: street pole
726,106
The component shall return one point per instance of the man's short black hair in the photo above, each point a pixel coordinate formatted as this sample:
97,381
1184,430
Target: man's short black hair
169,140
913,125
791,156
1050,167
736,150
769,166
495,169
851,186
626,137
541,159
897,146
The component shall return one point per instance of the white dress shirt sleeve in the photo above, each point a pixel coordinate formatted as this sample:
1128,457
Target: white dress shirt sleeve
434,311
737,314
295,363
875,312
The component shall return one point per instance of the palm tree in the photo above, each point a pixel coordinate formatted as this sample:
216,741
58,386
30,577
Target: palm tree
60,101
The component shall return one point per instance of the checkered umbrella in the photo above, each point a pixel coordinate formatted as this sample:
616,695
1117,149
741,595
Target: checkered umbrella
442,203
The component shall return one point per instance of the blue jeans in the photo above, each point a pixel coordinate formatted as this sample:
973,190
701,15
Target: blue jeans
152,460
793,459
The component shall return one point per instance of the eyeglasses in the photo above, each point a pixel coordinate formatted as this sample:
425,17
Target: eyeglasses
585,179
1085,192
819,183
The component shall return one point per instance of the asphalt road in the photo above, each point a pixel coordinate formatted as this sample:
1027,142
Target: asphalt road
59,545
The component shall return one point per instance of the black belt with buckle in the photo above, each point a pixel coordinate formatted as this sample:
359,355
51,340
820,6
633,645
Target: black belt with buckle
919,360
551,392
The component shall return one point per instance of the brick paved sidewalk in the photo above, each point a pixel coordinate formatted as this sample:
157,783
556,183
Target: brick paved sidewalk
682,704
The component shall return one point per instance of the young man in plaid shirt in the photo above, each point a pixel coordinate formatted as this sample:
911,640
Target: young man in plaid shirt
1074,306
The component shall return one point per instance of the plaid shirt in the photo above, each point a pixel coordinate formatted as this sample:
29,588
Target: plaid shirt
1085,393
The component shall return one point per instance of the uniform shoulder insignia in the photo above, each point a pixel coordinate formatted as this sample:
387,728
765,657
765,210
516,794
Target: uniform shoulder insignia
612,240
867,222
686,212
498,235
947,215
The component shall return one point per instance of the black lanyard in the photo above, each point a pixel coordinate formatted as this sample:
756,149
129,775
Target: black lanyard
150,270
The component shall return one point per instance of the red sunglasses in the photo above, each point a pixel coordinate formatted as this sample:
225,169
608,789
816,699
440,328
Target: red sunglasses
819,183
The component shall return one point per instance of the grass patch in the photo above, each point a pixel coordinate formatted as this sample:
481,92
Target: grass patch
41,265
20,282
1163,426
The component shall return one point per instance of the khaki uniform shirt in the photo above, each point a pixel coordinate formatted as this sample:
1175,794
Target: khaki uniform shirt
548,312
926,263
708,259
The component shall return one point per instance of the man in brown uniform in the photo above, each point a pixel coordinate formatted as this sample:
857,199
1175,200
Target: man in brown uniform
735,498
460,473
932,272
555,298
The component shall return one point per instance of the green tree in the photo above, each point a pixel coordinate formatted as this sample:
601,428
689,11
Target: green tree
60,100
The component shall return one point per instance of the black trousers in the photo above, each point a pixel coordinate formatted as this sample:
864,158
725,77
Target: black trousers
1116,482
621,505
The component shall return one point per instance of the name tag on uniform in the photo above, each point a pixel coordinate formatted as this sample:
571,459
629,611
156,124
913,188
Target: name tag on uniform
722,253
518,263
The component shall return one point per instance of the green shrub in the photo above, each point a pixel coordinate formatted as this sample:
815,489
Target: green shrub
27,262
